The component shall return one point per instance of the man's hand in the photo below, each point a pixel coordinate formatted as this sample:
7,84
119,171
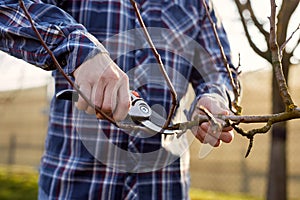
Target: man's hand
107,86
202,132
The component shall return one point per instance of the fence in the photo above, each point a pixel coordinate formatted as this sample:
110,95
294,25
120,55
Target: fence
16,152
23,124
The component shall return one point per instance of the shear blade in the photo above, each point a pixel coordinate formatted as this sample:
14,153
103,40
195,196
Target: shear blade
68,94
150,125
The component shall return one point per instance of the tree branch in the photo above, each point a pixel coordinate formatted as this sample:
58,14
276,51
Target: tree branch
234,85
241,9
294,49
276,61
285,13
255,21
245,119
282,47
161,65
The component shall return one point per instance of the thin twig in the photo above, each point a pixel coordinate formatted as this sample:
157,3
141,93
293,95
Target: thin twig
216,127
225,61
209,115
97,109
251,133
161,65
282,47
239,65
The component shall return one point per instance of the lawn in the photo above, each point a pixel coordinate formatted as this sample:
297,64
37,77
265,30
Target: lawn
20,183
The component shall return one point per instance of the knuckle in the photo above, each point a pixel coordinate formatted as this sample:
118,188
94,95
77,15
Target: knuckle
119,117
125,105
81,105
99,116
124,77
201,133
199,138
107,108
90,110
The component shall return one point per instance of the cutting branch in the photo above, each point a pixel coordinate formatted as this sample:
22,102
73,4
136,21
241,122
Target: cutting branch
241,119
161,65
234,85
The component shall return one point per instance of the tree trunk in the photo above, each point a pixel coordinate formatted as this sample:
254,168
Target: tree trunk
277,178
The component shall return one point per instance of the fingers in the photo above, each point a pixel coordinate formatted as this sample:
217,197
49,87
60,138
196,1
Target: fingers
97,97
109,99
81,103
105,84
204,133
115,100
112,100
205,138
123,104
226,135
215,104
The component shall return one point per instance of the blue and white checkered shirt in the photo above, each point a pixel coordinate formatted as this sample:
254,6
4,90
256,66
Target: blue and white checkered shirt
86,158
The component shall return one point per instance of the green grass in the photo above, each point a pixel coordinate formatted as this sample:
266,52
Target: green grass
21,184
196,194
18,184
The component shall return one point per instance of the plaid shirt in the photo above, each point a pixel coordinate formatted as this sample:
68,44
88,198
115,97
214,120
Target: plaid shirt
78,162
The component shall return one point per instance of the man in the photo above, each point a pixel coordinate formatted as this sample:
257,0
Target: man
86,158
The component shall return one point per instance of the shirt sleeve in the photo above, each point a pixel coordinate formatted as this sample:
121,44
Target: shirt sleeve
68,40
210,77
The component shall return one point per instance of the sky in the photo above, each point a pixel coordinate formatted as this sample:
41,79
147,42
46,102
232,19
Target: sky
16,74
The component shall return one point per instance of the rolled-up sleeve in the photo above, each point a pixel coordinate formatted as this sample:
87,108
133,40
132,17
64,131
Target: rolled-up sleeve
68,40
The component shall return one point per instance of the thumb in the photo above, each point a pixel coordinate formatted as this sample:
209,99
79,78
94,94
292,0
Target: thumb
214,105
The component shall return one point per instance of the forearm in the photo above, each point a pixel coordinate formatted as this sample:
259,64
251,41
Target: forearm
211,74
69,41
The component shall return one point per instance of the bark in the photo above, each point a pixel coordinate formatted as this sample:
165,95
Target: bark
277,177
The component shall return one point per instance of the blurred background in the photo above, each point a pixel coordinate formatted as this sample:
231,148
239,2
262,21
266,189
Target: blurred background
25,92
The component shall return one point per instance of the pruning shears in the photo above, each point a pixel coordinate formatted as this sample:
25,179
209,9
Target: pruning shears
139,114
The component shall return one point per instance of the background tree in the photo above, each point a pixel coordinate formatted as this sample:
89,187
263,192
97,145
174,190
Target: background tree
277,178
